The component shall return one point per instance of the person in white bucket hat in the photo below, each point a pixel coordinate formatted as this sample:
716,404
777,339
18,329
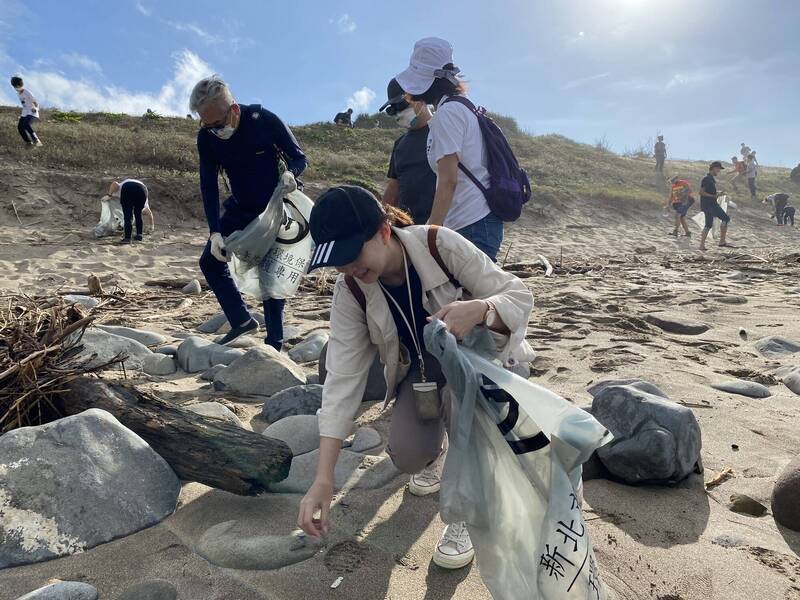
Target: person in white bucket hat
455,149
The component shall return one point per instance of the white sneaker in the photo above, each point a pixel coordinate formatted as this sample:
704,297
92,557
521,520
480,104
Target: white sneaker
454,549
38,143
429,480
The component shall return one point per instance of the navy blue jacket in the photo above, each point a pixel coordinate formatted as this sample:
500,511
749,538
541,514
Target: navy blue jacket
250,159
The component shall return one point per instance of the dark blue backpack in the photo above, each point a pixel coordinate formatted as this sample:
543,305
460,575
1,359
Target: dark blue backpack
509,186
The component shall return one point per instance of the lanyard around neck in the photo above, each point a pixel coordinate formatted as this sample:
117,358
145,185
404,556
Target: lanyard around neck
412,330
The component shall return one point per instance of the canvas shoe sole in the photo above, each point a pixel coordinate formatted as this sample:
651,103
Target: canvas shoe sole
450,561
423,490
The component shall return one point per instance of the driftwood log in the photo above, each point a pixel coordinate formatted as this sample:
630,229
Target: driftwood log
198,448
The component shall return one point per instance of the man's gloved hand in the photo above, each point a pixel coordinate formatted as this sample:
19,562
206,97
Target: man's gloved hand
218,247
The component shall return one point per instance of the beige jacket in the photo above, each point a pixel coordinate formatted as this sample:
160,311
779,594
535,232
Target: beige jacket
356,336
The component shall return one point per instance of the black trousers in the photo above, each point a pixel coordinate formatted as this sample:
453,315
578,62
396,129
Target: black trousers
132,197
25,129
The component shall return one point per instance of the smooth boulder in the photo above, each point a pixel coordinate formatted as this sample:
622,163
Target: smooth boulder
786,496
192,288
310,348
297,400
215,410
366,439
655,440
147,338
639,384
72,484
99,347
676,324
212,372
776,346
300,432
751,389
214,324
159,364
376,383
261,371
358,471
63,590
199,354
792,380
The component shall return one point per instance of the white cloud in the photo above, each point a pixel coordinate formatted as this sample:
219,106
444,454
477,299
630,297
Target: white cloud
361,99
205,36
570,85
54,89
344,24
81,61
143,9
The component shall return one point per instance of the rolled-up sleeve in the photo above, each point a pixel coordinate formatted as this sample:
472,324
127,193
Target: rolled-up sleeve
348,360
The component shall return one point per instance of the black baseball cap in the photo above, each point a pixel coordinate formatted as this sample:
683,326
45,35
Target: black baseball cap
717,164
394,93
343,218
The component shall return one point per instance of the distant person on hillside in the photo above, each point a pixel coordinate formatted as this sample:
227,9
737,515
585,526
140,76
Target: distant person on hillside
744,150
456,150
344,118
751,172
29,114
738,171
412,182
244,140
710,207
782,212
133,196
681,199
660,151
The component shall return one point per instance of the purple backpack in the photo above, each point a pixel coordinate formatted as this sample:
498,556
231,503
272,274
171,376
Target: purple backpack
509,187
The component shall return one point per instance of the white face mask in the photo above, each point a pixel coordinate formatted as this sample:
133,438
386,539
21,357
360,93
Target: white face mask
223,133
406,118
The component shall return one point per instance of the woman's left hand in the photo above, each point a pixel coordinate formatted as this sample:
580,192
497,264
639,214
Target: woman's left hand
462,316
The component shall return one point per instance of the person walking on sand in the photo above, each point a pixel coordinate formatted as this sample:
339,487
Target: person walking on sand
133,197
681,199
738,171
710,207
411,181
29,114
456,149
394,278
245,141
660,151
751,172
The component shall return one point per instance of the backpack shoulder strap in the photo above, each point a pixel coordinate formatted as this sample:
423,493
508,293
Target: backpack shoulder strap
466,102
433,232
357,292
462,100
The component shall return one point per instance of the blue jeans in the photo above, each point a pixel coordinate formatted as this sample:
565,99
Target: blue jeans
24,126
224,287
486,234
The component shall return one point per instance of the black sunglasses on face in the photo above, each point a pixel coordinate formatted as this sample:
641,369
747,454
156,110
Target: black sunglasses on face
393,109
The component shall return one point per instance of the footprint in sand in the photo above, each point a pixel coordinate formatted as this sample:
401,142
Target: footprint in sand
345,557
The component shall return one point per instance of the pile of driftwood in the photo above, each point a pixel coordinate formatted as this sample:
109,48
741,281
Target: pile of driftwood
39,343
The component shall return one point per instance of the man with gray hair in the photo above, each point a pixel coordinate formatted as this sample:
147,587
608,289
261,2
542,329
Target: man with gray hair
247,141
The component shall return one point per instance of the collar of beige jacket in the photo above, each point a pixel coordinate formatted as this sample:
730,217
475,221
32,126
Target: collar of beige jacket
430,274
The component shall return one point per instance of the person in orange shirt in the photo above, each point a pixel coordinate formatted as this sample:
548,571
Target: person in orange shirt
738,171
681,199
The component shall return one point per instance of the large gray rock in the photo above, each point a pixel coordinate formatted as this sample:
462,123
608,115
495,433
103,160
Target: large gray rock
199,354
215,410
100,347
159,364
298,400
786,496
751,389
366,439
192,288
148,338
72,484
376,383
644,386
63,590
776,346
153,589
214,324
655,440
169,350
676,324
235,545
360,471
792,380
310,348
212,372
261,371
300,432
86,301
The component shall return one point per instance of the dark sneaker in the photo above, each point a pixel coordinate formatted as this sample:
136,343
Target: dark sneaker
137,238
123,241
236,332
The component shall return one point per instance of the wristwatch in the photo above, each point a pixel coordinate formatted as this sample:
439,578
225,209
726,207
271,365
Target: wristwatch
490,320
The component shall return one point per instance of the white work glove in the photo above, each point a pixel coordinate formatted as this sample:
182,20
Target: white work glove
217,247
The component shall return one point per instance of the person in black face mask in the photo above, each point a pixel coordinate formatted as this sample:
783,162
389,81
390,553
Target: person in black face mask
412,183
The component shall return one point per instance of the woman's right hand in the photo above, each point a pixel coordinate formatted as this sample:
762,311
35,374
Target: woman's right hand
318,498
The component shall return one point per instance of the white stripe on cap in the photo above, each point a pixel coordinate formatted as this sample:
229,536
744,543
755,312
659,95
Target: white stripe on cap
328,253
320,249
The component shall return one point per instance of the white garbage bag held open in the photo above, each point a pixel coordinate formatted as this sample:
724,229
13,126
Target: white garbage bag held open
111,217
271,255
512,473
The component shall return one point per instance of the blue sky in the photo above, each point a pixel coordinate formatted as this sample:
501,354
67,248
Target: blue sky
708,74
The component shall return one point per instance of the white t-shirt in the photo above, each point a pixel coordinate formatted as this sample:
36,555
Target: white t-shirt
454,129
27,100
146,191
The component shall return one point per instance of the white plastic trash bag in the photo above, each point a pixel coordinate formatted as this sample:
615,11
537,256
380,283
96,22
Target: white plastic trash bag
512,473
111,217
700,218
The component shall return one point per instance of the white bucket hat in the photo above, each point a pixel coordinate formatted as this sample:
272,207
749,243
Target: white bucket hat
429,56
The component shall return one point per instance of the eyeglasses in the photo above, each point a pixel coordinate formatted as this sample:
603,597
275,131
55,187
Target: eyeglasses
221,123
393,109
